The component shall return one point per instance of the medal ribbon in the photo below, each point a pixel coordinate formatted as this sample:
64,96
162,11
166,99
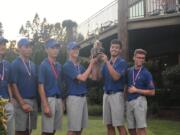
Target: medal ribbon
112,63
55,72
2,75
28,68
135,77
77,69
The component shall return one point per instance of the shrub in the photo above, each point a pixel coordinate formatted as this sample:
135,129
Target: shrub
171,77
95,110
95,95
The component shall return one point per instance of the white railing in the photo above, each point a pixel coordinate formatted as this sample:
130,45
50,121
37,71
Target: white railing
108,16
101,20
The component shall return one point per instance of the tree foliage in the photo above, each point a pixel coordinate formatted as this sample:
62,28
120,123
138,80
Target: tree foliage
40,31
71,30
11,52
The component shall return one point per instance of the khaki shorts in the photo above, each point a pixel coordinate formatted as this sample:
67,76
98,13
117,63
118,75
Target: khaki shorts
114,109
22,118
77,113
136,113
10,115
51,124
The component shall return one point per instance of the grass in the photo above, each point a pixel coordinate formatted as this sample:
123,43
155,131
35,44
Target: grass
96,127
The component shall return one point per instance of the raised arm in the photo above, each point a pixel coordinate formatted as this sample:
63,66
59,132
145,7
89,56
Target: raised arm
83,77
115,73
71,71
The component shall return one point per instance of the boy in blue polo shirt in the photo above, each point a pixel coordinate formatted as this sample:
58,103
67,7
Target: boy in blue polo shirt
24,82
5,89
113,73
140,84
75,76
50,89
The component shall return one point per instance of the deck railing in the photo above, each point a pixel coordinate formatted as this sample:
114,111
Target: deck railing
108,16
100,20
146,8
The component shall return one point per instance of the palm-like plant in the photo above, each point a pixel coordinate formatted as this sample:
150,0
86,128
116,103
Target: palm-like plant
3,117
70,28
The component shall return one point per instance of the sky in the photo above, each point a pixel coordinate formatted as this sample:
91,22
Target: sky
14,13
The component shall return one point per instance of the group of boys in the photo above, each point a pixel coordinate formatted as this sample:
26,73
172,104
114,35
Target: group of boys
22,80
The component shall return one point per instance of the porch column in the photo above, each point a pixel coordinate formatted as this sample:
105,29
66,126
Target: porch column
122,26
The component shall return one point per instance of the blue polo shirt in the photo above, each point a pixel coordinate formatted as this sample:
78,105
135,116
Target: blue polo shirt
6,80
74,86
120,66
143,81
52,85
27,85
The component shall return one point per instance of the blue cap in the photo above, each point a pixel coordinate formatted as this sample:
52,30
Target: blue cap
72,45
3,40
51,43
24,42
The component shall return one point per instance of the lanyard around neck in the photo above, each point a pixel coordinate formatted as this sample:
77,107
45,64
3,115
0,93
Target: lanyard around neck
28,68
76,66
55,72
136,76
111,62
2,75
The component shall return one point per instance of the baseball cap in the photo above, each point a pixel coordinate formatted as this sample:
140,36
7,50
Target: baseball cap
51,43
3,40
72,45
24,42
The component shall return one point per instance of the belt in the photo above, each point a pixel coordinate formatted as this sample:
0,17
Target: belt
78,95
55,96
30,98
111,92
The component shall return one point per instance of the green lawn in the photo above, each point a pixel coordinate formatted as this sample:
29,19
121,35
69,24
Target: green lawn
96,127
